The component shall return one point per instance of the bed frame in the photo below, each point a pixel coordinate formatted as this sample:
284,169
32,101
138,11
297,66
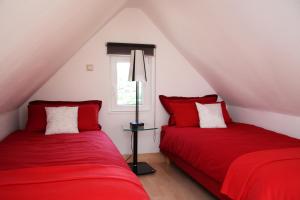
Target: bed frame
204,180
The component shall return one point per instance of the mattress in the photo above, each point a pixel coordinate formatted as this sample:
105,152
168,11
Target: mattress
65,166
211,151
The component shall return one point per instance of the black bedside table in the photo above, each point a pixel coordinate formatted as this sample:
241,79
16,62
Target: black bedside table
139,168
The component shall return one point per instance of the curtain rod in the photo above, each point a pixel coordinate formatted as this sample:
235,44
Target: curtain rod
138,45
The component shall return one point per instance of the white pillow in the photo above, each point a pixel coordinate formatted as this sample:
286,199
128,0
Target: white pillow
210,115
61,120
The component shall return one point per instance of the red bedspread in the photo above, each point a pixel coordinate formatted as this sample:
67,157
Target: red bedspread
264,175
213,150
66,166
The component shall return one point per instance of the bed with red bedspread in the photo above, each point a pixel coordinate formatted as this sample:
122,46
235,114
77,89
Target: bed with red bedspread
65,166
241,162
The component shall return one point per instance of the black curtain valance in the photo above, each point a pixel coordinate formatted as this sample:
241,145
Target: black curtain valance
125,48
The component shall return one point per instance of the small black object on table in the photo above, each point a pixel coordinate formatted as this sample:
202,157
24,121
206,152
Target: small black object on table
139,168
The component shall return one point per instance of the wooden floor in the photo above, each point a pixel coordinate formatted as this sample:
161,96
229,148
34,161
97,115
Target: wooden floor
170,183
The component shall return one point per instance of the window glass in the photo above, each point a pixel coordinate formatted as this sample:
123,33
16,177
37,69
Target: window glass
126,89
123,91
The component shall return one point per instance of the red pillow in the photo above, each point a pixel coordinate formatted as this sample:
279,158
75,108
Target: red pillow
225,113
185,114
165,101
87,114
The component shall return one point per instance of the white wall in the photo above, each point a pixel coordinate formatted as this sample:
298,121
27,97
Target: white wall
9,122
174,76
286,124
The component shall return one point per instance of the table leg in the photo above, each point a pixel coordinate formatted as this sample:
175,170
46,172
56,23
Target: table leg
139,168
135,151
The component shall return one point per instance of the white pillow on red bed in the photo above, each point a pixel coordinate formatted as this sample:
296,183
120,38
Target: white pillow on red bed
61,120
210,115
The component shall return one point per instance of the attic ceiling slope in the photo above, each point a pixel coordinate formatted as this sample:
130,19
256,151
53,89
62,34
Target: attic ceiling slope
38,37
247,50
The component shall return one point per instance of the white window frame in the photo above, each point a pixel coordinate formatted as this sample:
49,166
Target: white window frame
147,88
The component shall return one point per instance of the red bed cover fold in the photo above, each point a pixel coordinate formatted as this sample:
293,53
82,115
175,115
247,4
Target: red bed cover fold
212,151
66,166
264,175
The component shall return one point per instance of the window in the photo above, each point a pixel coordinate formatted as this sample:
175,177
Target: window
123,97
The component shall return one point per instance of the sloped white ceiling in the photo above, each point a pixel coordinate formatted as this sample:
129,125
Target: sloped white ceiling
38,36
249,51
